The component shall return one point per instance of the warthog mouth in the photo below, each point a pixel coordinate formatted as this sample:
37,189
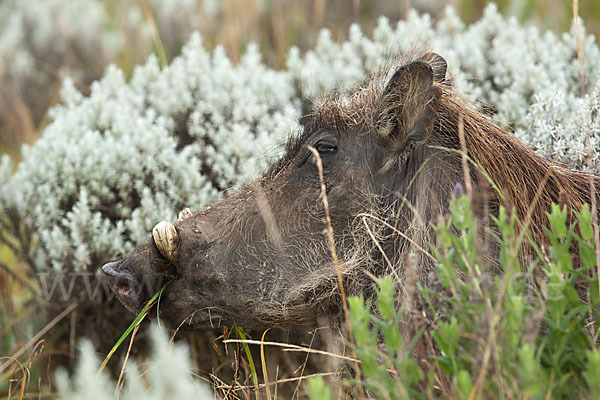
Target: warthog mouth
124,289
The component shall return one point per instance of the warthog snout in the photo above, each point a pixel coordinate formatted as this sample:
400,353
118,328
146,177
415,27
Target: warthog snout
134,286
123,283
110,268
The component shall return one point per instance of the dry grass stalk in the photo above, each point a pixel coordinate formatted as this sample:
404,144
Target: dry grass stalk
303,367
329,231
23,380
148,14
579,38
38,336
72,335
264,365
231,389
463,150
403,235
120,381
385,257
335,257
293,347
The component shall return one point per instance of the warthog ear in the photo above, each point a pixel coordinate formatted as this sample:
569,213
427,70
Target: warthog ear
438,65
409,103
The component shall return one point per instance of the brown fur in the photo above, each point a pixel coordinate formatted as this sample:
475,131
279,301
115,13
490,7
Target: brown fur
523,180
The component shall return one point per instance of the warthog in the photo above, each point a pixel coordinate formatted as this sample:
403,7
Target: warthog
391,157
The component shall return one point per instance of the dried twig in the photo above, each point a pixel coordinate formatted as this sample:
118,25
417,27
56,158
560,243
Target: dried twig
293,347
294,379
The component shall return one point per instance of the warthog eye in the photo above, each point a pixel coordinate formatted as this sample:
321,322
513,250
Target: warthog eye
324,148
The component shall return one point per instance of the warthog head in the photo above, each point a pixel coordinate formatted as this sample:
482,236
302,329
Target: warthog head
390,161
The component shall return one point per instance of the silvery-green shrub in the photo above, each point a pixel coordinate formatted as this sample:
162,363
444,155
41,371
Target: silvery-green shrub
166,375
112,164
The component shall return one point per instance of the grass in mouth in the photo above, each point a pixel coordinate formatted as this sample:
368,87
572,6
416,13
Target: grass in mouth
135,322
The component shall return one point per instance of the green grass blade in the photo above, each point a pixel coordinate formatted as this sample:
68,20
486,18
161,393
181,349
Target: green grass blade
135,322
250,361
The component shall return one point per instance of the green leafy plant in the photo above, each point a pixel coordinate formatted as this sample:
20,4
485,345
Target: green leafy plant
527,329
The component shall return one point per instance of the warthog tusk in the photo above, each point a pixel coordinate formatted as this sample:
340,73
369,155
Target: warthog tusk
183,214
166,239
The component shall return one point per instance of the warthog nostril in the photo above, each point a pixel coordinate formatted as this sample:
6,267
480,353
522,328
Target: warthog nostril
111,268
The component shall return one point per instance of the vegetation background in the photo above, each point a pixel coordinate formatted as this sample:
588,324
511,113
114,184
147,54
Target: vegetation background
274,25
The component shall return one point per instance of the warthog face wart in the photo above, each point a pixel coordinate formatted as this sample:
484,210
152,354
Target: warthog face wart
259,258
